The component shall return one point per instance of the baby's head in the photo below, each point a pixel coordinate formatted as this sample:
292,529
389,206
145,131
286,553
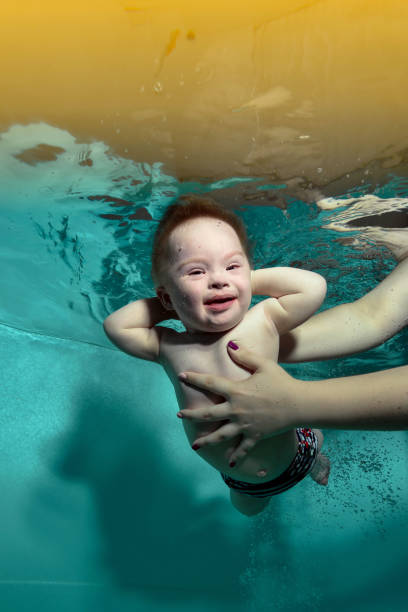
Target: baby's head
201,265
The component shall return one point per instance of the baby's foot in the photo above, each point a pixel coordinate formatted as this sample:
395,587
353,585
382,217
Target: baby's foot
320,438
321,469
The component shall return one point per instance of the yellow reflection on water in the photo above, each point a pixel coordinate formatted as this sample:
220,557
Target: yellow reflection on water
291,88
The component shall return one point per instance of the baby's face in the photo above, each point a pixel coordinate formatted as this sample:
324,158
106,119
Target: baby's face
207,279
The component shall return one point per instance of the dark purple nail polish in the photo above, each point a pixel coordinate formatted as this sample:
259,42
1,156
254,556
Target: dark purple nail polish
232,345
180,416
232,464
195,447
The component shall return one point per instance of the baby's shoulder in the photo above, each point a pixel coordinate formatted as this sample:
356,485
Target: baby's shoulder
260,315
257,331
173,342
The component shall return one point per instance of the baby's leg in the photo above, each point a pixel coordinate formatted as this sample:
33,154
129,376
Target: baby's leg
246,504
321,469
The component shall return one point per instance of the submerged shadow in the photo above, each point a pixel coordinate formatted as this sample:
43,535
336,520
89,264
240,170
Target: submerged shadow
155,534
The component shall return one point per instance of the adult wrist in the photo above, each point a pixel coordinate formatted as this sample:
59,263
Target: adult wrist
301,403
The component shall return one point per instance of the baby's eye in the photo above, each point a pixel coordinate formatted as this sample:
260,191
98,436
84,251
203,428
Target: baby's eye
195,272
233,266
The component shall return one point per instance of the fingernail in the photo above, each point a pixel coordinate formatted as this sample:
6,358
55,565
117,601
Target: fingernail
182,376
195,447
179,414
232,345
232,464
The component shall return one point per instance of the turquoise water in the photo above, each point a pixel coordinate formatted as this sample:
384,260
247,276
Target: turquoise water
105,507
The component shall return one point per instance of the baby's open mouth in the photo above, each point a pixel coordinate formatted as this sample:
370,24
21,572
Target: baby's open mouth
221,300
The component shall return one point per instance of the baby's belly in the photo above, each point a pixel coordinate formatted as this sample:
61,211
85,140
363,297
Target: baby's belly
265,461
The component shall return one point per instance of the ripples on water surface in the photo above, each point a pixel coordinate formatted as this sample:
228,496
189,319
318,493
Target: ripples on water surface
78,224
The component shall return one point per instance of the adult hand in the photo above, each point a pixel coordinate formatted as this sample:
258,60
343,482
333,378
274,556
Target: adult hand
258,407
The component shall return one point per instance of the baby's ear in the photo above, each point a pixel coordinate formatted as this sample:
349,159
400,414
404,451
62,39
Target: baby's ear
164,298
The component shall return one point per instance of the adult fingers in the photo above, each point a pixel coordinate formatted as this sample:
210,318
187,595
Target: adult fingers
215,412
241,451
217,384
245,358
226,432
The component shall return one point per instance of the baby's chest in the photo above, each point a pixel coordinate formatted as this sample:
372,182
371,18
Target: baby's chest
256,334
211,356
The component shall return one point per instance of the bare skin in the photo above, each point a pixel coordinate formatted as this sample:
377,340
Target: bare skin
208,283
270,401
321,469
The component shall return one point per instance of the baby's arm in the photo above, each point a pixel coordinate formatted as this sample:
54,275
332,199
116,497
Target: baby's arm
132,328
298,294
354,327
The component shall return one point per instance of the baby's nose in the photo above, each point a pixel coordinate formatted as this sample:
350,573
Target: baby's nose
218,280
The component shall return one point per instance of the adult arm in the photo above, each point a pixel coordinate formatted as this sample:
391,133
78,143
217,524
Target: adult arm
271,401
354,327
